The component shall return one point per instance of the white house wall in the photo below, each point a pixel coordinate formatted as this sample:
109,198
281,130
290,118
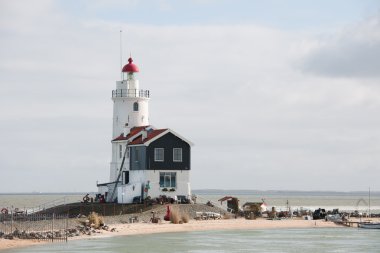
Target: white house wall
127,192
183,183
139,178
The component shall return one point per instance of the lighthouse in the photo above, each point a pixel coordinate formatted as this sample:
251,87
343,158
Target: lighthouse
130,110
145,161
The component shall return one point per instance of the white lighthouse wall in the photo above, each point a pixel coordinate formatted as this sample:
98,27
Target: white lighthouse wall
140,117
116,160
123,107
123,113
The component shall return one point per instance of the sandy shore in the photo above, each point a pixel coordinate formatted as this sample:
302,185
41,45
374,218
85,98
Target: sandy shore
193,225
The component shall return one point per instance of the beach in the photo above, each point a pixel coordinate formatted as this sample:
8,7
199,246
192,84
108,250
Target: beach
123,227
193,225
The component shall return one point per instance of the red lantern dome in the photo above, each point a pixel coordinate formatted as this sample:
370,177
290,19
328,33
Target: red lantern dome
130,67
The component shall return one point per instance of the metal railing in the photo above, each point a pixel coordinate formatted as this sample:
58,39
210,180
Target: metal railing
130,93
47,205
49,227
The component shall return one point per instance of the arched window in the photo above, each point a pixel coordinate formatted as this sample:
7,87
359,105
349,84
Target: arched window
135,106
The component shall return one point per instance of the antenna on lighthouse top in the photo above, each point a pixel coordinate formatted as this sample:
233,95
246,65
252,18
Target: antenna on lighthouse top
121,55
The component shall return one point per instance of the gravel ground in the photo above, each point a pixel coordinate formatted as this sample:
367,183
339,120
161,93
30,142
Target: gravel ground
160,211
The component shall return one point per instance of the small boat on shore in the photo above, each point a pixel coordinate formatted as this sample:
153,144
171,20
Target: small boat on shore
369,225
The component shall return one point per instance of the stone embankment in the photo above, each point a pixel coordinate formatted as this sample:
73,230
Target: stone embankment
81,225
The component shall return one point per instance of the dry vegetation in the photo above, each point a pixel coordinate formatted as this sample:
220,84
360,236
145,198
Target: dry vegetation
96,219
174,216
178,218
185,217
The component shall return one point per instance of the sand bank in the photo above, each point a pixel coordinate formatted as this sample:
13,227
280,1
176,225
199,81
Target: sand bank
193,225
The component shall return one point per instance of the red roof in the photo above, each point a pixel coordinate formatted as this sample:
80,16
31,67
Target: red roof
150,135
130,67
132,132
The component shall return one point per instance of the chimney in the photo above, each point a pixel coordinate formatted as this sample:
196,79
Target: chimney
126,130
144,134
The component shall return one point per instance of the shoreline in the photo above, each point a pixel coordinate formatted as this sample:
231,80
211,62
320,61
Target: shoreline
193,225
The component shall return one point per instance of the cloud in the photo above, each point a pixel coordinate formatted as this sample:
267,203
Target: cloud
354,52
231,89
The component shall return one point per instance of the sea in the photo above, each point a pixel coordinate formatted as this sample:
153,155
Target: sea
281,200
253,240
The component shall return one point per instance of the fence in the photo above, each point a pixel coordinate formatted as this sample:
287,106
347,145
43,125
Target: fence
49,227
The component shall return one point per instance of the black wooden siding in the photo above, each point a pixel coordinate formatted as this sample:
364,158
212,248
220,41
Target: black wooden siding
137,162
168,142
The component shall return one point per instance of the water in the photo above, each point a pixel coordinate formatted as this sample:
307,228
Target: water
304,200
277,240
33,201
307,200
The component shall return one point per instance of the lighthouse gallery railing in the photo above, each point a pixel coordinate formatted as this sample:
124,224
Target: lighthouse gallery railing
130,93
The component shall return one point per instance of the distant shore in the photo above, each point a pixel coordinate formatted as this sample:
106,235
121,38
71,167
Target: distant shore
193,225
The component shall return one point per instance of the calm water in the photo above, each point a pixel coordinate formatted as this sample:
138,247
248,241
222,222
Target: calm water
345,201
280,240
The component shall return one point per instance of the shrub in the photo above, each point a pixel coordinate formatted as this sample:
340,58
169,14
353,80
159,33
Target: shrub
185,218
174,216
96,219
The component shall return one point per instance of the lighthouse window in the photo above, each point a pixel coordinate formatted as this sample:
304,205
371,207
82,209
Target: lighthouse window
177,154
168,179
120,151
158,154
135,106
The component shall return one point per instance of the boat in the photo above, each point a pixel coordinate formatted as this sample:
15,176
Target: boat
369,225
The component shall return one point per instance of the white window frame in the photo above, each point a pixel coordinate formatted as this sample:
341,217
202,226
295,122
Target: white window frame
174,158
156,154
169,176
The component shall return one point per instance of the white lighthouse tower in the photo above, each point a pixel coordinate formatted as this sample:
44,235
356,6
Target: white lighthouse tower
130,109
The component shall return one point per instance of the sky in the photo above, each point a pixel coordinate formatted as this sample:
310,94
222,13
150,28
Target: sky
275,95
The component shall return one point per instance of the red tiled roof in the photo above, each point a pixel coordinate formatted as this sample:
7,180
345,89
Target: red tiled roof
132,132
151,134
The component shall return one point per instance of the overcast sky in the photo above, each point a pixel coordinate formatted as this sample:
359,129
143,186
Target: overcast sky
278,95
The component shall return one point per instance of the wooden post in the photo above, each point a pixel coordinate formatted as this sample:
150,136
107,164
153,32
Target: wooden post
52,228
67,225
